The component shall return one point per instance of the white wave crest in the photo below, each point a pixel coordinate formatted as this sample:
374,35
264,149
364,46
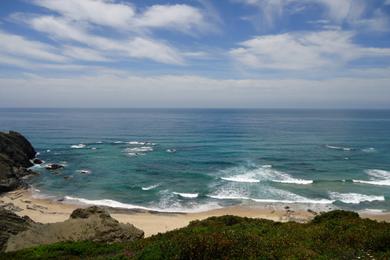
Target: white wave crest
84,171
339,148
136,143
117,204
263,173
354,198
369,150
272,196
141,149
378,177
78,146
151,187
187,195
241,178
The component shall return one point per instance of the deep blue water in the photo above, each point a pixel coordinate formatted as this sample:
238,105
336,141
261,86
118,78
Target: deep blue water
198,159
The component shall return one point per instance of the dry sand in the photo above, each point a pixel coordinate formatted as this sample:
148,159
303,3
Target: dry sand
22,202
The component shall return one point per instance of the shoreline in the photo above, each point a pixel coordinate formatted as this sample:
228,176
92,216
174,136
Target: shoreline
43,210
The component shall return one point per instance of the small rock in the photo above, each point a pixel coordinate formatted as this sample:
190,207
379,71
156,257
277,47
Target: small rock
54,166
37,161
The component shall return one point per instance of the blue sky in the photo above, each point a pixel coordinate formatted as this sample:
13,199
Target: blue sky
195,53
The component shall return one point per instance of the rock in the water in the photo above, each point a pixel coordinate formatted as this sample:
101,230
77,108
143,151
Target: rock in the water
94,224
11,224
15,155
37,161
54,166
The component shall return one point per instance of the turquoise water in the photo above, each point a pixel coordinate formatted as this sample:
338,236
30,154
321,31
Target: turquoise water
193,160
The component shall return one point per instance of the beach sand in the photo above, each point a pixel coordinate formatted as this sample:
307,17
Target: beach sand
23,203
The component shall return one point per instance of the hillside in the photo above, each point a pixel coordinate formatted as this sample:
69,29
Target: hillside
333,235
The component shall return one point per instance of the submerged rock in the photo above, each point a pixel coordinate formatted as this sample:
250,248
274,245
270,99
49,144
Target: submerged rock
93,223
15,155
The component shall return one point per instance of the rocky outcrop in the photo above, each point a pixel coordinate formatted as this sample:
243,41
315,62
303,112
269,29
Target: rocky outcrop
93,224
15,155
11,224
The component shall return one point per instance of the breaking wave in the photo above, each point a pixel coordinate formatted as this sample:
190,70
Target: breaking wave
260,174
354,198
377,177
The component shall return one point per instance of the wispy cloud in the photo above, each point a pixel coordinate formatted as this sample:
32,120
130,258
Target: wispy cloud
303,51
341,12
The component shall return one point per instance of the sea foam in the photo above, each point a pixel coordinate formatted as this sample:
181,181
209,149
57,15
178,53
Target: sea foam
354,198
187,195
78,146
339,148
263,173
377,177
151,187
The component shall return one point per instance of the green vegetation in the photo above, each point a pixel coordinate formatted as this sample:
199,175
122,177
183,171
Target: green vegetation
333,235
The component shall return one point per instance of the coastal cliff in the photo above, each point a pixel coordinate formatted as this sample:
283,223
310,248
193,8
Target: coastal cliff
16,153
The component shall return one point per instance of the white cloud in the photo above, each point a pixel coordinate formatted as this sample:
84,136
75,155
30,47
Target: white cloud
137,47
120,16
100,12
20,46
180,17
303,51
351,12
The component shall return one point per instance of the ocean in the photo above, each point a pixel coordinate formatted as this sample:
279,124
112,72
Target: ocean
191,160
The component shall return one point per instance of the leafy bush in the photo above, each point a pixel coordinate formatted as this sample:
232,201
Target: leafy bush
333,235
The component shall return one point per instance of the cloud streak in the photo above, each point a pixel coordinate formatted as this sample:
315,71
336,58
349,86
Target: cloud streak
303,51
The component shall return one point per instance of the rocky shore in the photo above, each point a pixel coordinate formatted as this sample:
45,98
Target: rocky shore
27,221
16,153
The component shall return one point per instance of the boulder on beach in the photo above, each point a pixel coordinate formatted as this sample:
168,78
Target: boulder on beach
93,224
16,153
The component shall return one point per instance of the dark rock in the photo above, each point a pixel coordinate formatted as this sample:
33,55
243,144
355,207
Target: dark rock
17,148
54,166
15,155
11,224
93,224
87,212
37,161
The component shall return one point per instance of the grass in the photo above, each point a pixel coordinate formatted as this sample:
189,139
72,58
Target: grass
333,235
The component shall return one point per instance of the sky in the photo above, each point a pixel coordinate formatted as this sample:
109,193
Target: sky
195,53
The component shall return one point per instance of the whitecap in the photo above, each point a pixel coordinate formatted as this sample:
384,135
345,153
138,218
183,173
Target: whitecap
262,173
78,146
295,181
271,195
93,148
141,149
48,151
187,195
99,142
136,143
84,171
171,150
378,177
369,150
151,187
241,178
339,148
354,198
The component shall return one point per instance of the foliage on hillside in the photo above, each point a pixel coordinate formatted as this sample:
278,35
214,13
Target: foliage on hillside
333,235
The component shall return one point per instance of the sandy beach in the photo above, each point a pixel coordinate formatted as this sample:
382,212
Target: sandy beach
23,203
